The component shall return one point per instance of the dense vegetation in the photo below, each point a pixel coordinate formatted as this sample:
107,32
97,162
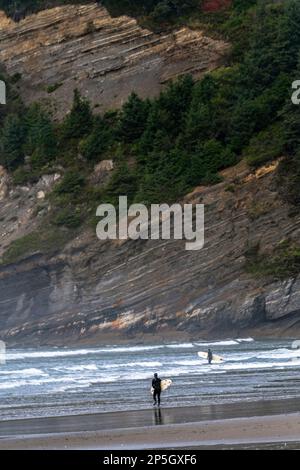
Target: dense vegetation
156,9
165,146
157,13
284,262
19,8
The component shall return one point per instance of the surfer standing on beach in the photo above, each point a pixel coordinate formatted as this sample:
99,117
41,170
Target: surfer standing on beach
156,384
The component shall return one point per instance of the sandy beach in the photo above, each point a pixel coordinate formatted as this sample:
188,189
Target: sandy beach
251,425
239,431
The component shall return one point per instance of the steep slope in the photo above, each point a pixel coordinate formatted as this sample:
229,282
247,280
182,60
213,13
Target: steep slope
105,58
153,290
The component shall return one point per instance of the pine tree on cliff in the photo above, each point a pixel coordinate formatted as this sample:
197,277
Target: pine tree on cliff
11,143
133,119
80,120
41,141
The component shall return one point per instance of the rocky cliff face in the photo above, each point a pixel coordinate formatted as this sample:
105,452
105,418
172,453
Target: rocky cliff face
105,58
154,290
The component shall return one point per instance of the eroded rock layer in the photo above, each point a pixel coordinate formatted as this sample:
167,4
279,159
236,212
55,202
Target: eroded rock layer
105,58
96,291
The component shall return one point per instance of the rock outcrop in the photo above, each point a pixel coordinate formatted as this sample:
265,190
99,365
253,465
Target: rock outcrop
21,207
94,291
58,50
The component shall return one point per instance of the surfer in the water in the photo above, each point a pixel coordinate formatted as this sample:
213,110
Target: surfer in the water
156,384
209,356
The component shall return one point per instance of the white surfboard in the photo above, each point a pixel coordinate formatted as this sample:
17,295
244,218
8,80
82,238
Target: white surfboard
204,355
165,384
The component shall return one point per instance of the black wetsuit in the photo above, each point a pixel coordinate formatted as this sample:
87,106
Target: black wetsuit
156,384
209,356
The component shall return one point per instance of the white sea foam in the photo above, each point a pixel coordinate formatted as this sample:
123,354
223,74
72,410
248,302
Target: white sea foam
282,353
141,364
188,362
70,388
15,384
240,357
37,382
29,354
24,372
19,355
229,342
79,368
261,365
131,349
126,365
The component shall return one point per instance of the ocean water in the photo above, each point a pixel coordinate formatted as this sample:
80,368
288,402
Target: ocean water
54,382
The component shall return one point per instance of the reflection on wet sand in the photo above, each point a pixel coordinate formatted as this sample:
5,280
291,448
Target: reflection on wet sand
158,417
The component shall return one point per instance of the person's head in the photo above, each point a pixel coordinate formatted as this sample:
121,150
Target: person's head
209,350
155,376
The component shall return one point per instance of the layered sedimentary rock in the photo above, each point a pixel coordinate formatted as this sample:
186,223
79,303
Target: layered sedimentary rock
22,207
105,58
95,291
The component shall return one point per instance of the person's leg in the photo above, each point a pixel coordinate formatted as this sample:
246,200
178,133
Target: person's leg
158,398
154,397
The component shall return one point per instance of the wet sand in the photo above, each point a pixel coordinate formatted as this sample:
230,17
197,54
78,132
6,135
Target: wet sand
265,424
146,418
241,431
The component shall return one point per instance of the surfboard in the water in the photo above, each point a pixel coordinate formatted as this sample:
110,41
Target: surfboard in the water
165,384
215,358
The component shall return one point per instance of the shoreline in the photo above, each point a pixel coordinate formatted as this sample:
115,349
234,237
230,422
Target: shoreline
280,429
264,423
84,422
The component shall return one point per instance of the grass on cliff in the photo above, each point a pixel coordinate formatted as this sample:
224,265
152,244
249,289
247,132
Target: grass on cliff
20,8
40,242
153,11
283,263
